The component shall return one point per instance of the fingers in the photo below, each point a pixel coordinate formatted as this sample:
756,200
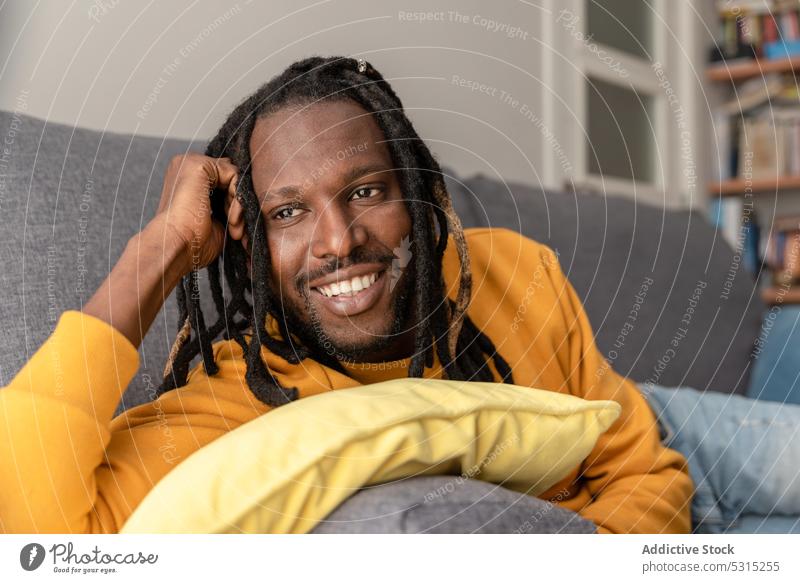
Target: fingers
236,220
228,178
227,173
197,173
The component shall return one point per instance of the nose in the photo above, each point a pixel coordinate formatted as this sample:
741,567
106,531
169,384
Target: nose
337,233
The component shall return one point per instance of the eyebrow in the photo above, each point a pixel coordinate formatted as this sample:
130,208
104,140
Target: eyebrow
353,174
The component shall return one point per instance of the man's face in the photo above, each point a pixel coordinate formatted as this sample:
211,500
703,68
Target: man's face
335,221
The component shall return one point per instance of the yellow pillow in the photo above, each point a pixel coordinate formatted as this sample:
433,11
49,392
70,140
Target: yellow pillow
288,469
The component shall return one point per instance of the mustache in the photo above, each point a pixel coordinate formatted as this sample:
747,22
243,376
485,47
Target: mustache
359,255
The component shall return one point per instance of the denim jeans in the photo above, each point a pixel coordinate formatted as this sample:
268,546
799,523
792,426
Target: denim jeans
776,374
743,455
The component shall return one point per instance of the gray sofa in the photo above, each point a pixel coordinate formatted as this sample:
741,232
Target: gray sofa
70,199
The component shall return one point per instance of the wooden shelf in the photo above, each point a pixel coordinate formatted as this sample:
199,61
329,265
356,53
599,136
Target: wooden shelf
772,296
749,69
739,186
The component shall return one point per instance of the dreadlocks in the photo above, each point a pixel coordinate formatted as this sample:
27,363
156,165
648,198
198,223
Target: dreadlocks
442,325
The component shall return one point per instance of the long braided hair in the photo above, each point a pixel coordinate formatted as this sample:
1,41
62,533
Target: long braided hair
441,324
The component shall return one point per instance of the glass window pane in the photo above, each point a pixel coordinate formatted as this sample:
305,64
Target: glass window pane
621,24
621,142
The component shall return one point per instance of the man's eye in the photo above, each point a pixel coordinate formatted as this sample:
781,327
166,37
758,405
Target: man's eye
288,212
365,192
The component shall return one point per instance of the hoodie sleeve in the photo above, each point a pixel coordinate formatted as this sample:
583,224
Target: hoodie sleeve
54,427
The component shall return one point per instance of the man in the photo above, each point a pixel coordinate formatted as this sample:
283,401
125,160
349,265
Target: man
331,213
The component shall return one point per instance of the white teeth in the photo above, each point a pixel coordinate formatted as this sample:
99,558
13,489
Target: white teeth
348,287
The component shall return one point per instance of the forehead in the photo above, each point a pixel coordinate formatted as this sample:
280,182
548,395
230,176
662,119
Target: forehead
298,145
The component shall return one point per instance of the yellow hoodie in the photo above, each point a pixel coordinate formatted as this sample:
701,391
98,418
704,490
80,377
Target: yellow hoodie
68,467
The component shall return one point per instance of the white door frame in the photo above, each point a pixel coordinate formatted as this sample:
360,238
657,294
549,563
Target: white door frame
672,78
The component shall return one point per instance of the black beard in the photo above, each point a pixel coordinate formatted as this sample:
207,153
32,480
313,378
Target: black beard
305,325
310,333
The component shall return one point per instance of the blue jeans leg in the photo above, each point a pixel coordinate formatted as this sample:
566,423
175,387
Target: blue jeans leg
743,455
776,374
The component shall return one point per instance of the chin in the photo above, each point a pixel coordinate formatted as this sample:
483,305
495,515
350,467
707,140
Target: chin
359,345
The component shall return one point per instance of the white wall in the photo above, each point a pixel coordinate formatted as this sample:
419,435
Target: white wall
178,67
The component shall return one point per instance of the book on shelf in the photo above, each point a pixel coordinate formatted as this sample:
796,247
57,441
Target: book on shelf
769,144
751,243
724,157
768,29
757,132
726,216
783,251
759,91
740,230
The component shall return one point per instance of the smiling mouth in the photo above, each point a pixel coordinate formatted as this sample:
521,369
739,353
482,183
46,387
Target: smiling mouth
349,288
353,296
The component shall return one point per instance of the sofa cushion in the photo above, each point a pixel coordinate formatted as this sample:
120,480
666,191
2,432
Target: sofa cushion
448,504
670,302
71,198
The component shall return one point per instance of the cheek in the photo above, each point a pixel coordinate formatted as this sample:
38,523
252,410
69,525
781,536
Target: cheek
401,227
284,266
389,221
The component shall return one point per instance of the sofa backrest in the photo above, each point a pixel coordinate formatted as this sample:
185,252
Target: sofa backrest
71,198
669,300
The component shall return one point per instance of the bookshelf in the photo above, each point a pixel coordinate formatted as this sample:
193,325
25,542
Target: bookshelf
772,296
756,56
748,69
738,186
